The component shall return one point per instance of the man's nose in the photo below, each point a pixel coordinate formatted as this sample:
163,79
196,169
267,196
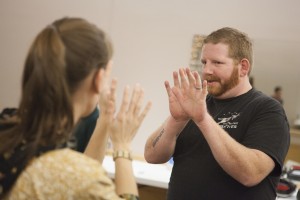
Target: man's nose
207,68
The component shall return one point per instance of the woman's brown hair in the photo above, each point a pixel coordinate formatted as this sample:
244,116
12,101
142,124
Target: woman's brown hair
62,55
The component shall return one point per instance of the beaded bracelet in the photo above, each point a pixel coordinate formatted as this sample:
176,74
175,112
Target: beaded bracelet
122,154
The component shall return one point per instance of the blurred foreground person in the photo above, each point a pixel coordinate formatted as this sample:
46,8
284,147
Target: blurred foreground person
65,77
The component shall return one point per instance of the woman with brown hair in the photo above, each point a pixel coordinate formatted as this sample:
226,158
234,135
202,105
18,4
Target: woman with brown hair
65,76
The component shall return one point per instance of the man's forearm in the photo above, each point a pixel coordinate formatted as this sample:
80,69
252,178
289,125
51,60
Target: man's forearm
161,144
248,166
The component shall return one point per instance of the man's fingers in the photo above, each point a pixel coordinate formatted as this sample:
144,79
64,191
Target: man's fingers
191,78
204,88
176,79
198,80
168,88
177,94
183,80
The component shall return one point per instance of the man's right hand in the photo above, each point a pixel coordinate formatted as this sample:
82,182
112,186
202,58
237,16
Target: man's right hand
175,108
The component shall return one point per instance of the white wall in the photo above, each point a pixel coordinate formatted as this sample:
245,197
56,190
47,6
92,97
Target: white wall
153,38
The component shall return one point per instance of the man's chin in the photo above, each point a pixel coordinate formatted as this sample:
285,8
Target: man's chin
214,92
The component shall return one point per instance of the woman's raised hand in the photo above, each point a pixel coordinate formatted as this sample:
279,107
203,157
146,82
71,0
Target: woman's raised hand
128,119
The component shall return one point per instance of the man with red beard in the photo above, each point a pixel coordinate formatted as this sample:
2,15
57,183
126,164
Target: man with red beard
227,140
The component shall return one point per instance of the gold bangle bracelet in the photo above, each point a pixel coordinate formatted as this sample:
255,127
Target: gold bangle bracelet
129,196
122,154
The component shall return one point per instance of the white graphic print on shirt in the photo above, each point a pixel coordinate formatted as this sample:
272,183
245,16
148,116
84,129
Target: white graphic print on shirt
228,120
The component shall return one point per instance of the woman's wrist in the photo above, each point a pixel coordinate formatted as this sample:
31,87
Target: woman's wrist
121,147
122,154
130,196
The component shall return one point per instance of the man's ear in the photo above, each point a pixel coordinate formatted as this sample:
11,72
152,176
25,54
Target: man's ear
98,80
245,67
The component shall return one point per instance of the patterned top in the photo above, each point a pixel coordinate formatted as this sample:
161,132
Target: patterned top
63,174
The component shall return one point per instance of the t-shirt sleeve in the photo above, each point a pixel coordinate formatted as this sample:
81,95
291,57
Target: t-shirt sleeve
269,133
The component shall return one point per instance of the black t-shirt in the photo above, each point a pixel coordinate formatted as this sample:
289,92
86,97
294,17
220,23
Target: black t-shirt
254,120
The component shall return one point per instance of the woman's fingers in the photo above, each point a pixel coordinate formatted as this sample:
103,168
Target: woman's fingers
145,112
134,98
138,105
112,96
113,88
125,101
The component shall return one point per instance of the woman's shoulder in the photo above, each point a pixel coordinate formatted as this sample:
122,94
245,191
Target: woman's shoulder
61,157
64,174
67,165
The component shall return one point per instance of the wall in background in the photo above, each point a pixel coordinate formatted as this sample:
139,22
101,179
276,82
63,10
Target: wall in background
154,38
